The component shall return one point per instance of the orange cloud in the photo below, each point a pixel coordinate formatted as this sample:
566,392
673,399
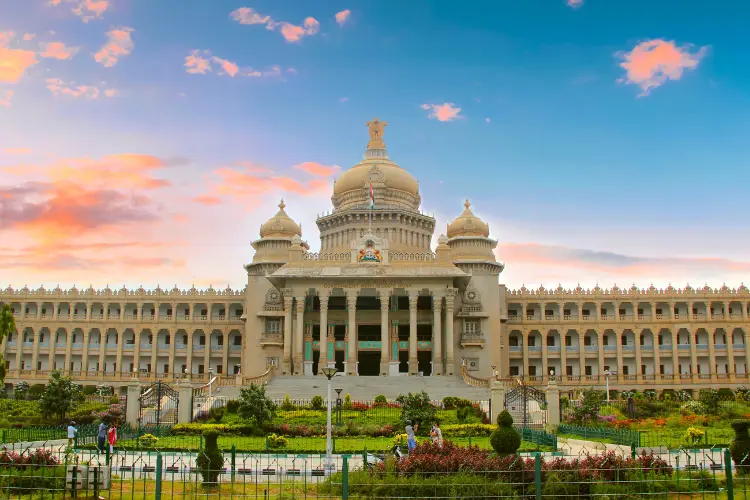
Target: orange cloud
290,32
201,62
126,171
652,63
87,10
343,16
57,50
29,36
314,168
6,100
13,62
17,151
207,199
119,44
60,88
443,112
575,4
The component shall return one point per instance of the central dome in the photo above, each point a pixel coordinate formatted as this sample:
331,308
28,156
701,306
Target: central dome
392,185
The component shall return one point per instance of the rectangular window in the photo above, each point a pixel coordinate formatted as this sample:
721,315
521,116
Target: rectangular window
661,369
622,312
236,369
586,312
514,371
532,371
220,340
568,340
166,368
643,369
606,368
169,311
532,341
569,371
204,312
514,341
550,341
625,370
587,340
184,340
471,326
624,340
273,325
549,312
640,311
202,340
643,339
603,311
605,340
588,370
219,369
658,310
237,340
566,312
183,368
148,368
131,367
200,369
166,339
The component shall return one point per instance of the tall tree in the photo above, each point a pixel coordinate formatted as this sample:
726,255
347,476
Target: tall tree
59,395
7,326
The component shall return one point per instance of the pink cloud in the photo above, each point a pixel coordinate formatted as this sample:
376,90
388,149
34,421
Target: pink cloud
29,36
196,64
119,44
443,112
229,67
315,168
5,101
652,63
574,4
17,151
60,88
87,10
201,62
207,199
343,16
13,62
57,50
290,32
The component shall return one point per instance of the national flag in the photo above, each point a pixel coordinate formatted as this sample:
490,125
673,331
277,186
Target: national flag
372,197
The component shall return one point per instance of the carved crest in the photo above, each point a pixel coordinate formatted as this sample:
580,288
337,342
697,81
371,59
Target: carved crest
369,253
472,296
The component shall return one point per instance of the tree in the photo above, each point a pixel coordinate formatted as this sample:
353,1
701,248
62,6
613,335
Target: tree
710,399
416,408
21,391
7,327
254,404
505,439
59,395
588,409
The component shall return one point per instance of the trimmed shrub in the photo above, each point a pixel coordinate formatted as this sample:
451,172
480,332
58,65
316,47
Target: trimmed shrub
348,402
317,402
463,413
380,400
740,446
287,405
148,441
210,460
217,414
505,440
89,390
276,442
233,406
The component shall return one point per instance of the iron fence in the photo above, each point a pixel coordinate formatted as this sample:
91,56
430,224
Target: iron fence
615,436
621,472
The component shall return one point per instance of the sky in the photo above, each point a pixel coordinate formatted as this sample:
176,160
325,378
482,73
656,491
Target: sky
143,142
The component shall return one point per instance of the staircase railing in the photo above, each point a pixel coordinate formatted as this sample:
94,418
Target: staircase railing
264,378
472,380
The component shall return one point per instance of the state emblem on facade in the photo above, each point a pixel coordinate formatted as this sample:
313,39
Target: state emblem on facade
369,253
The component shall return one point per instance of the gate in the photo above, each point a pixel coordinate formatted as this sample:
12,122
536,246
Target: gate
159,404
527,405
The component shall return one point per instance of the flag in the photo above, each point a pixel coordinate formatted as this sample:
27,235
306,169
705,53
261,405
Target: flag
372,197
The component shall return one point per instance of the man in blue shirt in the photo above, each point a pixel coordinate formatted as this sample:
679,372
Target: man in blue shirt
101,438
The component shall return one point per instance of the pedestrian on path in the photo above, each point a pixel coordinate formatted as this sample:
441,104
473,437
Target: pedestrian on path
112,438
72,433
411,439
437,434
101,438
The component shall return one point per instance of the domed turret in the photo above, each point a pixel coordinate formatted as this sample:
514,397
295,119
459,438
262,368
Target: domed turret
392,185
280,225
468,224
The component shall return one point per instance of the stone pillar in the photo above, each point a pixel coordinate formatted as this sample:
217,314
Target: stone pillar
286,366
154,348
185,406
620,358
694,356
413,364
581,357
84,354
102,350
656,355
498,399
68,349
134,405
189,353
137,354
437,334
675,355
712,353
207,352
351,331
323,359
553,403
729,334
225,352
450,359
638,356
34,350
39,310
385,340
119,340
299,340
525,336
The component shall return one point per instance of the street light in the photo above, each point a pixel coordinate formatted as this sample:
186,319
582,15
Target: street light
606,376
329,372
338,406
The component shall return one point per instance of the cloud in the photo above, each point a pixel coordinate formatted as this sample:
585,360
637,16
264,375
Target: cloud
443,112
119,44
56,50
652,63
13,62
574,4
87,10
17,151
314,168
201,62
29,36
290,32
207,199
343,16
60,88
5,101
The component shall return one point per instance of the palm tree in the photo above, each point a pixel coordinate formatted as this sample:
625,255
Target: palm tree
7,326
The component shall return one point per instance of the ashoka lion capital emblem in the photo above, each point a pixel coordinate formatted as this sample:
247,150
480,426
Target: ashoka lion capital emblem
369,253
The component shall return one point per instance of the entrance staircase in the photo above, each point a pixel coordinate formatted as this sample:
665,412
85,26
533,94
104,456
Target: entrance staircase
366,388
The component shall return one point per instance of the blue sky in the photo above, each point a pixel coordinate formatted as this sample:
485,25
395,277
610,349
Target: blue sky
554,149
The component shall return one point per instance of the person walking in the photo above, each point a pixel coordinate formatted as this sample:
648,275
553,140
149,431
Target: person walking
437,434
101,438
411,439
112,438
72,433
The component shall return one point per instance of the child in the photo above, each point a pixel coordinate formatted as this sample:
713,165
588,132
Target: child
112,438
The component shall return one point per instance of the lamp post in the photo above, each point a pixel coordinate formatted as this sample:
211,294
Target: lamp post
338,406
329,372
606,377
494,373
210,386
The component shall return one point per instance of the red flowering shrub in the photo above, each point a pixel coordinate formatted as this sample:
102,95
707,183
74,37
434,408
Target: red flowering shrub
660,422
623,424
357,406
38,458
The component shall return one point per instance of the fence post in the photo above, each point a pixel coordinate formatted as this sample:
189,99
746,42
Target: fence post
632,450
728,465
157,493
538,475
345,479
234,458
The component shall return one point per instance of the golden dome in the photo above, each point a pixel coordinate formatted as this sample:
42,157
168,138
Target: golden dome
392,184
468,224
280,225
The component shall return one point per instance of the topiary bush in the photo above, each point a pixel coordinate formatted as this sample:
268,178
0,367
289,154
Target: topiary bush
317,403
233,406
380,400
217,414
348,402
287,405
464,413
276,442
505,440
740,446
148,441
210,460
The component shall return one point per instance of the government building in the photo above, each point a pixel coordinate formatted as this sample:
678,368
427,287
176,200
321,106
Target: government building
378,301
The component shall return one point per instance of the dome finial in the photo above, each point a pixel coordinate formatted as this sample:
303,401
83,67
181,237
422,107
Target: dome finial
282,205
376,128
467,204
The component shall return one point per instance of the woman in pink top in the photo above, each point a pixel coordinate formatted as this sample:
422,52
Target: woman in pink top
112,438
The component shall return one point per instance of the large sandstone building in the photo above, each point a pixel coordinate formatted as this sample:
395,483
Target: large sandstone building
377,300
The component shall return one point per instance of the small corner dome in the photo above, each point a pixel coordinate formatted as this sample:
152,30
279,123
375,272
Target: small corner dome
468,224
280,225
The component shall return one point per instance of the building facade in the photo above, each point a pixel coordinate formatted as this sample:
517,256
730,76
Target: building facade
377,300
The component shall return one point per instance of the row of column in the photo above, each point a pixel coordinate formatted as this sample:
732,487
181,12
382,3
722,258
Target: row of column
669,315
326,334
105,311
675,355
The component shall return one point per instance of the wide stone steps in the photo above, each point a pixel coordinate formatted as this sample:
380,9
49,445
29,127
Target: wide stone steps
366,388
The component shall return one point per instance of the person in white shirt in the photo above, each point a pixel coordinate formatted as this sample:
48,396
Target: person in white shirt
72,433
